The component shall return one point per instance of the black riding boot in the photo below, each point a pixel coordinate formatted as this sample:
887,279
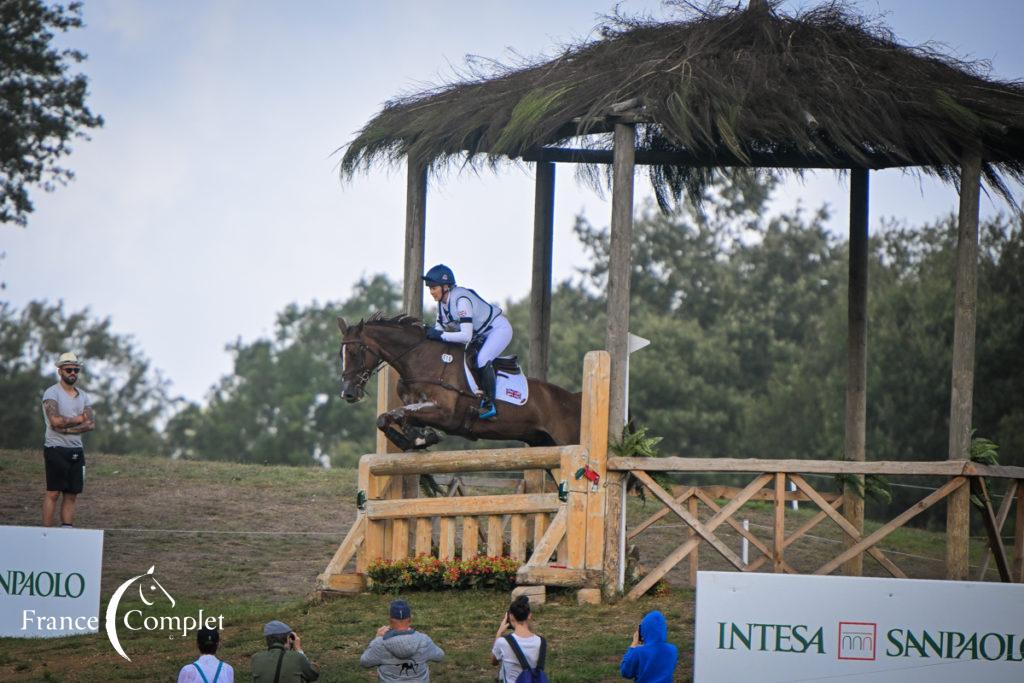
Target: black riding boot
487,384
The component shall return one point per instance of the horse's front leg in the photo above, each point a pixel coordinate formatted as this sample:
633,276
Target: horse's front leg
391,425
403,427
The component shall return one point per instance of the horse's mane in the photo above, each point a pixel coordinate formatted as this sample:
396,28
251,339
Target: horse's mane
400,320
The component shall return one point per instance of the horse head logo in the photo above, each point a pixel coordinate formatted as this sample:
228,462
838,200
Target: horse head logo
150,591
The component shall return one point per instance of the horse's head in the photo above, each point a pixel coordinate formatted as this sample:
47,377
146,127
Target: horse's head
371,343
358,362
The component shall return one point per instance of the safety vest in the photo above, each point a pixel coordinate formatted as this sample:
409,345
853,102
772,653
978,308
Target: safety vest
451,313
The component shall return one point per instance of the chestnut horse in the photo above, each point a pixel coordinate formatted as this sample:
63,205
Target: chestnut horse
436,395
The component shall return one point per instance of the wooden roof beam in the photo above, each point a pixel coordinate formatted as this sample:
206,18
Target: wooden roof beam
650,158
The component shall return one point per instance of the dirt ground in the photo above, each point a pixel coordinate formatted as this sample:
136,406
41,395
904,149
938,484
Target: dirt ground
214,530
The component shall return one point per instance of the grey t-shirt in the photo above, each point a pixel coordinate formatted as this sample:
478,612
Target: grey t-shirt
67,406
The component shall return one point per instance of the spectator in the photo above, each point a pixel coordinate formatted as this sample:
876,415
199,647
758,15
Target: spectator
512,650
650,658
399,652
283,661
67,413
207,669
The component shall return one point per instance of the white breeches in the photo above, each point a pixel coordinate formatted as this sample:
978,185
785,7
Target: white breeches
497,341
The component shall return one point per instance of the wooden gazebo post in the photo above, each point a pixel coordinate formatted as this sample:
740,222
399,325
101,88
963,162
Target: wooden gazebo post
540,290
856,356
616,337
540,287
412,284
958,519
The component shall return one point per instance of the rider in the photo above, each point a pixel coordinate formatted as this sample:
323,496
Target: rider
463,317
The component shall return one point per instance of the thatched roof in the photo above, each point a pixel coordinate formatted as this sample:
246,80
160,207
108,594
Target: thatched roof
721,87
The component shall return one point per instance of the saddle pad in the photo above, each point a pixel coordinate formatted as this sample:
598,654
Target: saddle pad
512,389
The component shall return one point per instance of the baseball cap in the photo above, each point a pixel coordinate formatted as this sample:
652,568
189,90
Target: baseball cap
400,610
276,628
207,636
67,358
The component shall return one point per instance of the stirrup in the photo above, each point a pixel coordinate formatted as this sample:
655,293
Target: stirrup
487,410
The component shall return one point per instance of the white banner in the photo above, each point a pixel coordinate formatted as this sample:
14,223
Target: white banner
49,581
778,628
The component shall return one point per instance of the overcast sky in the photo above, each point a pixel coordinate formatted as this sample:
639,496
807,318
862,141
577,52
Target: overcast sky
210,199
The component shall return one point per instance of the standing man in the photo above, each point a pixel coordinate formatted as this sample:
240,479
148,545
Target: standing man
67,412
283,661
400,653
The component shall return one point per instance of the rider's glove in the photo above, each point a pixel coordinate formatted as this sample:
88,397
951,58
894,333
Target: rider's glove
434,333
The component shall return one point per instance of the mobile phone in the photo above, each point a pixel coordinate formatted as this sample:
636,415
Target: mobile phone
640,633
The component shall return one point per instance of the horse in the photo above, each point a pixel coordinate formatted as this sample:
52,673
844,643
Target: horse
436,395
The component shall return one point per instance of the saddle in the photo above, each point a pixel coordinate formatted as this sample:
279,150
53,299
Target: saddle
508,365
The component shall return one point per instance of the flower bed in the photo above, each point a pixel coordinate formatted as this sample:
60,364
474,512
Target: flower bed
429,573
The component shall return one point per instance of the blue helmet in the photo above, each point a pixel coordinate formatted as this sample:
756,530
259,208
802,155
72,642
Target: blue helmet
440,275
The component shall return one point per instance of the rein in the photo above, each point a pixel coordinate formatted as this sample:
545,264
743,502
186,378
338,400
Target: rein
440,383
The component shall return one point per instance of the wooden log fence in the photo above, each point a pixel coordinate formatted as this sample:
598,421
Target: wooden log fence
559,537
569,538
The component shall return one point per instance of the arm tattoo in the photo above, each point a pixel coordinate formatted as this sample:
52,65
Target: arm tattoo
52,416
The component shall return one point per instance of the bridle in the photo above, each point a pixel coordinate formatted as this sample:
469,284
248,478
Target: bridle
368,371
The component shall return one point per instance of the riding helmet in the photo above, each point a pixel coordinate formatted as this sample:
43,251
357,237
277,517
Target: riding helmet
440,275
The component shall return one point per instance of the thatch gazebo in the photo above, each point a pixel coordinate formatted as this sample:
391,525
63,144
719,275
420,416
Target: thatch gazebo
725,87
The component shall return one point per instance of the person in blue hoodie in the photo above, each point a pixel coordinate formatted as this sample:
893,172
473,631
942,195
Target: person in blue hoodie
650,659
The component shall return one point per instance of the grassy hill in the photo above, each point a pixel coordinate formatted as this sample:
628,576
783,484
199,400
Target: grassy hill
248,541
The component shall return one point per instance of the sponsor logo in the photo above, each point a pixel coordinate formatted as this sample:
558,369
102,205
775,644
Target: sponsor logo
857,640
954,645
42,584
798,638
150,592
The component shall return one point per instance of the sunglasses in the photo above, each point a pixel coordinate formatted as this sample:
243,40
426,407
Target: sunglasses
72,371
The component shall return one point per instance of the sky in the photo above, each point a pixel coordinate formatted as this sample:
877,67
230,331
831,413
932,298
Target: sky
210,199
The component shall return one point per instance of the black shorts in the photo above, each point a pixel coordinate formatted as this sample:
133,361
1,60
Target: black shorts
65,469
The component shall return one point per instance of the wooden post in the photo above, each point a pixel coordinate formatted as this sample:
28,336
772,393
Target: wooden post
958,512
617,331
415,237
540,289
576,516
856,356
470,531
780,523
387,399
619,270
495,536
691,505
594,437
1018,534
412,284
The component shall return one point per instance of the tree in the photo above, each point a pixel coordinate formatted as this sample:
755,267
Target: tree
131,398
42,105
